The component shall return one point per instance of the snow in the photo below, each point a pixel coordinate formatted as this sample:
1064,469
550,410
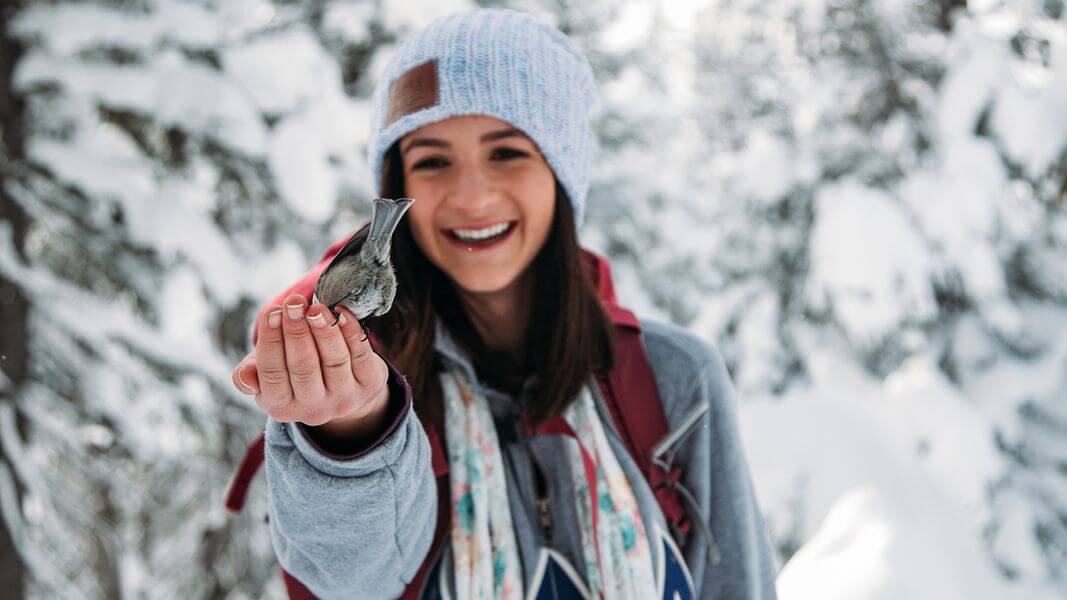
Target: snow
290,76
102,162
408,15
765,169
1031,123
282,72
630,29
301,169
749,188
958,206
184,309
178,92
978,66
278,268
885,544
69,28
869,265
900,514
881,520
349,20
758,354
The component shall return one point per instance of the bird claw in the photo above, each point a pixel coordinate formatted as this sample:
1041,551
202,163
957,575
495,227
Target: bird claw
366,330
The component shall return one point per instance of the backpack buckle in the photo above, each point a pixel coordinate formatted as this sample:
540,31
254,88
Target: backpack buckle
664,450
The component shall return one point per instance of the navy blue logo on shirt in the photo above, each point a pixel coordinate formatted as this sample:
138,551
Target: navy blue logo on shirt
556,579
675,581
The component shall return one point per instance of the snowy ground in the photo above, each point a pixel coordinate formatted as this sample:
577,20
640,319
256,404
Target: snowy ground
885,483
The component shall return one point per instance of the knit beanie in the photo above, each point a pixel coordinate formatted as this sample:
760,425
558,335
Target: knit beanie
497,62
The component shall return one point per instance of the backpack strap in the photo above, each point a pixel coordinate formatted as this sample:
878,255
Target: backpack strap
632,398
252,461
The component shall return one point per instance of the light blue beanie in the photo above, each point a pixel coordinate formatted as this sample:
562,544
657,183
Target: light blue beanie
498,62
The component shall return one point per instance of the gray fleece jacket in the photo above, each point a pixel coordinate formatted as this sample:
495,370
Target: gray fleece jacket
360,526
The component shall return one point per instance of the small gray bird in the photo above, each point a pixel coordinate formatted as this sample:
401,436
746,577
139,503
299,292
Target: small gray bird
360,277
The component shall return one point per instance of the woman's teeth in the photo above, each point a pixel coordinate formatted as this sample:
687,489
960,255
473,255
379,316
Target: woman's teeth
481,234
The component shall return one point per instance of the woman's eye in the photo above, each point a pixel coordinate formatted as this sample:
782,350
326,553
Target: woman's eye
497,154
508,153
429,163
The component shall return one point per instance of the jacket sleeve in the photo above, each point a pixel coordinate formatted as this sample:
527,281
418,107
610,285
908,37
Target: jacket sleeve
357,526
748,567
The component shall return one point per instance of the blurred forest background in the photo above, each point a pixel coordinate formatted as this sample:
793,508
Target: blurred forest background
862,203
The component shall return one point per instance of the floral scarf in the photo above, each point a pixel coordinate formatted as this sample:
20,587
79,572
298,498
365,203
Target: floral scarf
615,548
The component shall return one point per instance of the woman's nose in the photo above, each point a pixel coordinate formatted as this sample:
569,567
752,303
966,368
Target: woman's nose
474,189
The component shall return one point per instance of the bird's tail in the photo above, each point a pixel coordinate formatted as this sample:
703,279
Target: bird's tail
383,222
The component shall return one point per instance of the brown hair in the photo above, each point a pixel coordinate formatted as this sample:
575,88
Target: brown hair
568,336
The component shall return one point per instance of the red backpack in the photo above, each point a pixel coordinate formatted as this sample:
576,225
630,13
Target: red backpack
629,389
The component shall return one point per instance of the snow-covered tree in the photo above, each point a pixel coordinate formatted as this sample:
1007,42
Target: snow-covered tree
169,165
893,187
862,203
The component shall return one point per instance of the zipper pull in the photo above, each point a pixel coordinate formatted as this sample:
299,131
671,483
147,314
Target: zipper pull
546,519
541,489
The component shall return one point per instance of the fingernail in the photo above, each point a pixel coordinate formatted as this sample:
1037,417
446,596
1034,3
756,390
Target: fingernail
274,319
251,390
296,311
317,320
342,319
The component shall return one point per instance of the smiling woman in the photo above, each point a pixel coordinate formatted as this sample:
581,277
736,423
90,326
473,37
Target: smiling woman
523,435
494,299
486,200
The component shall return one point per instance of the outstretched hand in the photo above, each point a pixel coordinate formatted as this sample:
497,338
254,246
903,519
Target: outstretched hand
310,369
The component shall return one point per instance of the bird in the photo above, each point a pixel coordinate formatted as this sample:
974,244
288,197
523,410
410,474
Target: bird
360,277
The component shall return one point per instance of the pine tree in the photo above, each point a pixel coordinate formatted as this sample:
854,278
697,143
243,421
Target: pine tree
169,166
889,181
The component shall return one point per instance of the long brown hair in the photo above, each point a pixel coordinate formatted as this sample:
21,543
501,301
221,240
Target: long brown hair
568,336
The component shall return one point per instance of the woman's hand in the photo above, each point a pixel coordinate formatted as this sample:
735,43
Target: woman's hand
306,369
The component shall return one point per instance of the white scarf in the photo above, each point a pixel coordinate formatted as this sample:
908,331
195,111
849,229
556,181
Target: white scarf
485,556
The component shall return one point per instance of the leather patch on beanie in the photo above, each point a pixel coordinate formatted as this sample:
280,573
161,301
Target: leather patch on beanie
413,91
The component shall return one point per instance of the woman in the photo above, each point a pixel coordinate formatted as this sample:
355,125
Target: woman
483,119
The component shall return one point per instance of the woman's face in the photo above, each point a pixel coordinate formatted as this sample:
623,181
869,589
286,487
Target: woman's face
484,199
